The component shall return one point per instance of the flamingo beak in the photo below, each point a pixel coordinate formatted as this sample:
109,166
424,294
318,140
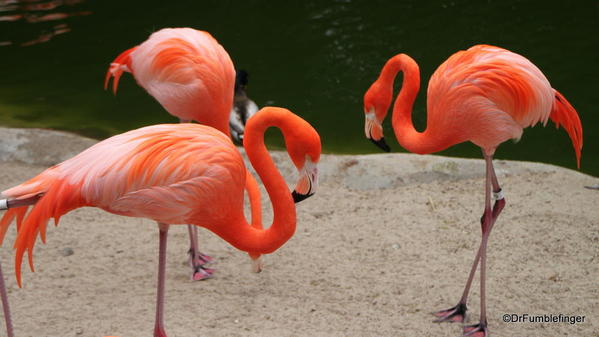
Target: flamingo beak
297,197
374,131
381,143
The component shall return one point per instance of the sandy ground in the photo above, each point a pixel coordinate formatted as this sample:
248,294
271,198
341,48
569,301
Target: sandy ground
386,240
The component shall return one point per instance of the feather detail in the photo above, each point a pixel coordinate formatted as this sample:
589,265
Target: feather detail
160,172
499,91
562,113
8,217
59,198
121,64
189,73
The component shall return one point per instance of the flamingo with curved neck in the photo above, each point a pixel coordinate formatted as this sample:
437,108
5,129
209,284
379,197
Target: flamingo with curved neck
172,174
485,95
192,76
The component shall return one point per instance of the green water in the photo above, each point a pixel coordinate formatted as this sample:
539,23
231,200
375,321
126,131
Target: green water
316,58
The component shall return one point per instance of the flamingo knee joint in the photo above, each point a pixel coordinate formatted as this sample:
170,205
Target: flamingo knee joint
498,195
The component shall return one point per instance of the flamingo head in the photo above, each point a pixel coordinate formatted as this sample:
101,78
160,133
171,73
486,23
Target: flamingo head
376,104
305,154
307,181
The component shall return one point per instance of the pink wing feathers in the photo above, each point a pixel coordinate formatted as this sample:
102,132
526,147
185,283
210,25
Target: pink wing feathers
563,113
162,172
498,91
187,71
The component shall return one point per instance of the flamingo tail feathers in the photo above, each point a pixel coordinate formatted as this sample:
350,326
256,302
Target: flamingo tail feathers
8,217
58,198
565,115
121,64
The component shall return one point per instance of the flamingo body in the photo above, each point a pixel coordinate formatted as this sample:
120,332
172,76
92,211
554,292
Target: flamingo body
186,70
485,95
496,91
175,174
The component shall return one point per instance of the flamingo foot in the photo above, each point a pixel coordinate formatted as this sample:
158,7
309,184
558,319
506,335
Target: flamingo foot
205,259
199,260
202,273
456,314
476,330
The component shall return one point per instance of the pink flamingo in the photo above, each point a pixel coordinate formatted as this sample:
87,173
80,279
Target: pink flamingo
191,75
485,95
172,174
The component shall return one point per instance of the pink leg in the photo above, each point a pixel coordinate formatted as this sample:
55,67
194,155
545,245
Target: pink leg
3,295
197,260
5,307
159,325
489,217
457,313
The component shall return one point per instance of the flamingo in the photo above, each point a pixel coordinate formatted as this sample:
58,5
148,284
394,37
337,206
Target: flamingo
172,174
485,95
243,107
191,75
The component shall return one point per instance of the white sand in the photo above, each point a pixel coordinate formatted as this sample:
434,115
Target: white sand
386,240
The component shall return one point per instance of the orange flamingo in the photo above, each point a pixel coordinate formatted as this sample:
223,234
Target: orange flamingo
485,95
191,75
173,174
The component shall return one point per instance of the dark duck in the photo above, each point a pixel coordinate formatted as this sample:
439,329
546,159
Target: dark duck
243,107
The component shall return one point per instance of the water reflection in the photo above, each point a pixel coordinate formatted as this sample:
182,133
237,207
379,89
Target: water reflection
49,17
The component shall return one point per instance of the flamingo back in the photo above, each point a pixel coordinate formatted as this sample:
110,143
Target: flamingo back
497,90
189,73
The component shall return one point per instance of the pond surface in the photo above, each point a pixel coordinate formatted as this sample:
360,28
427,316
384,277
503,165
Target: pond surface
316,58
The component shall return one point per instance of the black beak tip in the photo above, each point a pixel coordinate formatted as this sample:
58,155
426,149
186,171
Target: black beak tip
381,144
297,197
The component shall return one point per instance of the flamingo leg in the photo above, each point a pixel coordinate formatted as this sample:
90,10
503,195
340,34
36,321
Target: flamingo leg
5,306
458,312
3,295
487,222
197,260
159,325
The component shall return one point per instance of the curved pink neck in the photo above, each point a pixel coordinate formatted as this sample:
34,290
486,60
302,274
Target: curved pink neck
238,232
407,136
